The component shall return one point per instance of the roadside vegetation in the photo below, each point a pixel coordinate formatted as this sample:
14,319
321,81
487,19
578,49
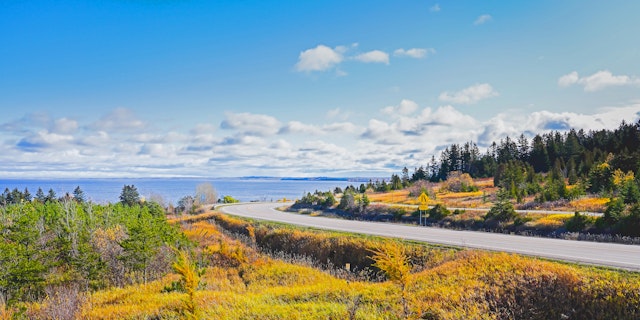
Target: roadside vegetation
54,250
241,269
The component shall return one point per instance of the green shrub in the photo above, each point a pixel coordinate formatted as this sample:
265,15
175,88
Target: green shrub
438,212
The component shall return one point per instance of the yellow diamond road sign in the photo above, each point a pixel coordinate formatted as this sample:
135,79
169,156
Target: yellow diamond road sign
424,199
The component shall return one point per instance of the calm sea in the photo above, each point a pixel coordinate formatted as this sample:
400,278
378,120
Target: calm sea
172,189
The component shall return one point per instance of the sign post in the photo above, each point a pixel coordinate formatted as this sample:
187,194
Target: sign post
424,199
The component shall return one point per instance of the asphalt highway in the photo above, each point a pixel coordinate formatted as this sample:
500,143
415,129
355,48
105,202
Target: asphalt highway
594,253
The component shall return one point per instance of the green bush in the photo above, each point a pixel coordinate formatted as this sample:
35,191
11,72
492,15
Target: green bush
503,209
438,212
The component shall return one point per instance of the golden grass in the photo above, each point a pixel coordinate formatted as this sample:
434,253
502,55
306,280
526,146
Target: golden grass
398,196
589,204
550,221
484,183
459,195
137,301
469,285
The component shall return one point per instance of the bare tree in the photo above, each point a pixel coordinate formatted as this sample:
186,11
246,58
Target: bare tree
205,194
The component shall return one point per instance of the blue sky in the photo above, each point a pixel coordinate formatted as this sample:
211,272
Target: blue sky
299,88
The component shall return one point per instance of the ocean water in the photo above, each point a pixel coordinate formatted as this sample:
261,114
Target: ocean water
172,189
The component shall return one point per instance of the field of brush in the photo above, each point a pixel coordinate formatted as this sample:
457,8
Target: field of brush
251,270
484,197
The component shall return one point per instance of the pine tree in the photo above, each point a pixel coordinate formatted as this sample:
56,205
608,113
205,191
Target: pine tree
129,195
78,195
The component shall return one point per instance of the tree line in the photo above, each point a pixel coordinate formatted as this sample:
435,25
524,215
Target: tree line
574,154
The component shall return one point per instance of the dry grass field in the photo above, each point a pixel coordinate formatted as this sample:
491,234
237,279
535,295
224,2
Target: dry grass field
237,281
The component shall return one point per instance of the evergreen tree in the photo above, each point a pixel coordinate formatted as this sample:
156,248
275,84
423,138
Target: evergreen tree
51,196
502,210
40,196
630,192
27,195
405,177
396,182
129,195
78,195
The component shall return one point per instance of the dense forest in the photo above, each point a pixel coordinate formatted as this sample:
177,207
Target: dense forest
604,162
574,153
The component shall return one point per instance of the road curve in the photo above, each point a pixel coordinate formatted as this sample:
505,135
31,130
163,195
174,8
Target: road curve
594,253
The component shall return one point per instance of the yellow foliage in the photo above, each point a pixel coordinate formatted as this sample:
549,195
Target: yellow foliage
190,280
397,196
458,195
589,204
6,313
132,302
551,221
391,258
620,178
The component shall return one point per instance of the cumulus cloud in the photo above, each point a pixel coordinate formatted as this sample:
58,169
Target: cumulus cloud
406,107
375,56
64,125
320,58
43,139
323,58
253,146
120,119
435,8
482,19
417,53
299,127
251,124
469,95
598,80
341,127
568,79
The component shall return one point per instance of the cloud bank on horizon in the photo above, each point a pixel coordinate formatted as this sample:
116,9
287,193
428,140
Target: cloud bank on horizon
123,144
236,89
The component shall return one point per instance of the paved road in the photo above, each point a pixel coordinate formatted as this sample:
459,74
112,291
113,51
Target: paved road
603,254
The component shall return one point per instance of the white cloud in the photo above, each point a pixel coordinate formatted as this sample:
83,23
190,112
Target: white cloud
408,138
417,53
334,113
294,127
406,107
203,128
345,127
64,126
323,58
435,8
568,79
44,139
469,95
320,58
482,19
157,150
375,56
120,119
251,124
598,80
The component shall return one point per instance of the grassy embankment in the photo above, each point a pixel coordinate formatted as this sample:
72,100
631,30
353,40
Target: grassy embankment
483,198
472,206
238,282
